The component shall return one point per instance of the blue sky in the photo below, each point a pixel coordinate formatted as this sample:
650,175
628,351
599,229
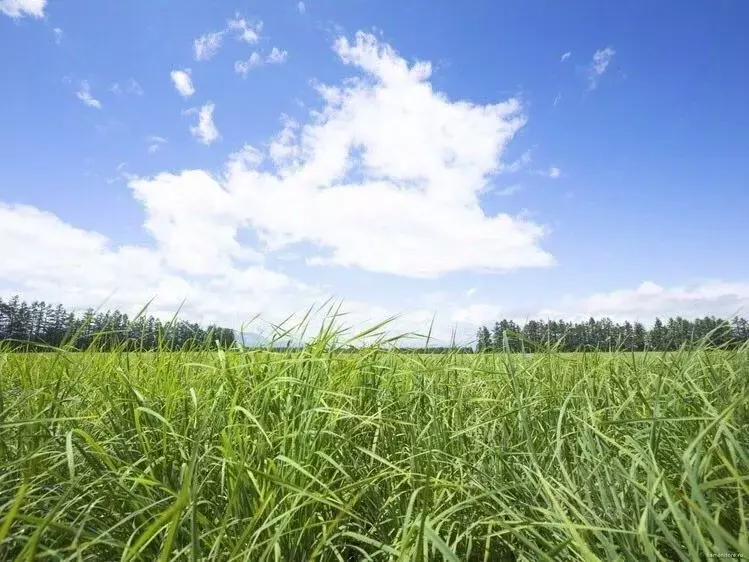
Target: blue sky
512,159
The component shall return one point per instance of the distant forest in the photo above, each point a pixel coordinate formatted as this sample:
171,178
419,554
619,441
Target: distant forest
605,334
38,325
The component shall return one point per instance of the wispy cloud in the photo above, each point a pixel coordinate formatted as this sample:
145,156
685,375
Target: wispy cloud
518,164
183,82
553,173
205,131
58,33
248,32
565,56
155,143
601,60
84,94
301,7
131,87
256,60
244,66
509,190
206,46
557,99
121,174
134,88
277,56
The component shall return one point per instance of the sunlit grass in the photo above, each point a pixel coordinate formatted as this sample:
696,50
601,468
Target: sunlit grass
322,455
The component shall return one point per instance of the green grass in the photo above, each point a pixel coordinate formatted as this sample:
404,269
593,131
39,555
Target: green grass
373,455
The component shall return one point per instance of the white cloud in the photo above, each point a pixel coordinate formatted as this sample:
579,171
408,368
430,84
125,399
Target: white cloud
132,88
476,314
84,94
553,173
248,156
20,8
48,259
256,60
206,46
522,162
387,176
301,7
155,143
284,149
58,35
565,56
277,56
198,235
51,260
46,253
557,99
599,64
248,32
205,131
509,190
120,175
243,67
183,82
649,300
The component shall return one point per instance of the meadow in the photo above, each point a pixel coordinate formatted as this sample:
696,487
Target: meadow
374,455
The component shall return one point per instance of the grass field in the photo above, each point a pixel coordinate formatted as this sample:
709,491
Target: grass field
373,455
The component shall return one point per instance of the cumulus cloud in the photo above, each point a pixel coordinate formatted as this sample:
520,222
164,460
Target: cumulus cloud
21,8
84,94
182,82
48,259
199,235
601,60
205,131
387,176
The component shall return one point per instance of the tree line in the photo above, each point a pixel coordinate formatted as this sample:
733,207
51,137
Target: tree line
39,325
605,334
